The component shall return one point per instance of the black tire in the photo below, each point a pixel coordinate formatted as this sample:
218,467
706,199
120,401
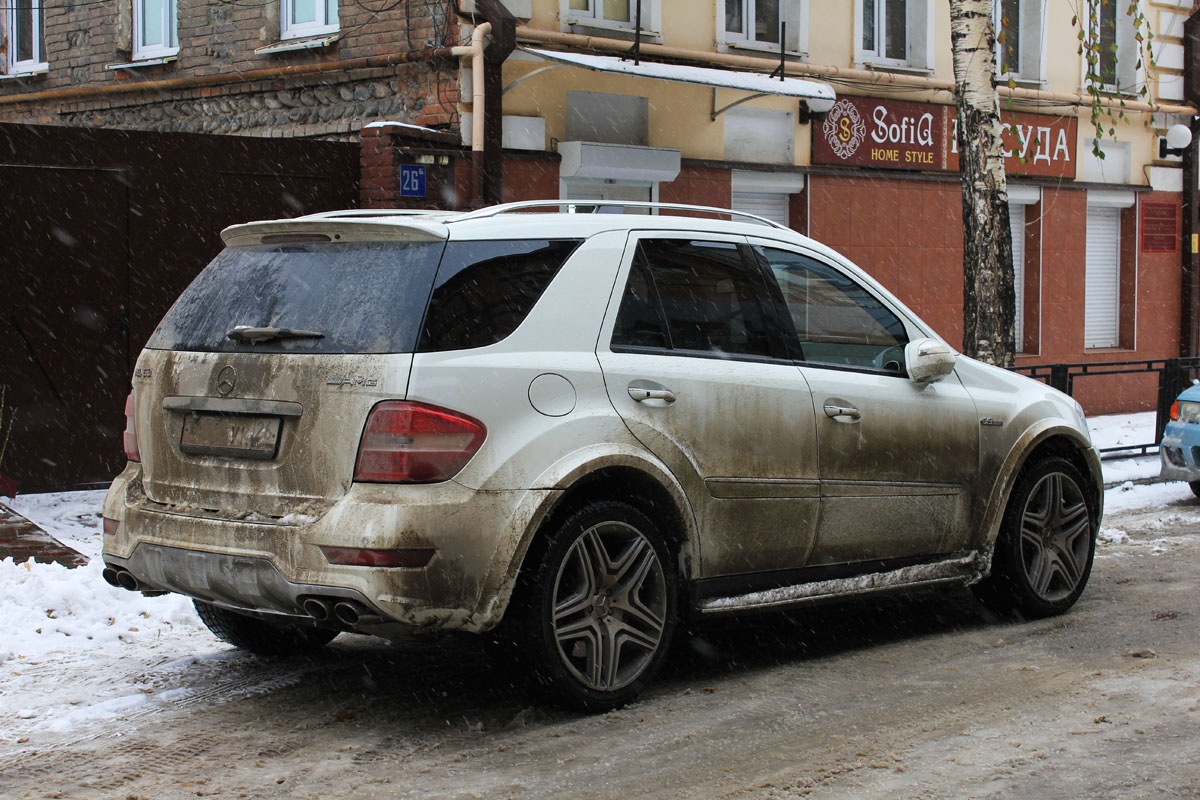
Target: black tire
260,636
1047,541
1195,487
598,611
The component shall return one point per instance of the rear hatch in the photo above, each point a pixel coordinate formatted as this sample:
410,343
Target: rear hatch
252,393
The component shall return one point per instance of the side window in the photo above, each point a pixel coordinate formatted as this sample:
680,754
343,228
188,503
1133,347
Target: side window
837,321
484,290
695,296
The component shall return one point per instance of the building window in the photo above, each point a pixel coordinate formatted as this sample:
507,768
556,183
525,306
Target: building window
308,18
894,33
758,24
1019,36
26,42
621,14
1112,35
154,29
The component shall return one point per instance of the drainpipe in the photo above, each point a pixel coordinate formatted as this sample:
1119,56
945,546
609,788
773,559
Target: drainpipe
1189,318
478,100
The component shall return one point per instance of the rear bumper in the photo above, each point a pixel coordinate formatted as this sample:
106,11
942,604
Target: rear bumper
276,566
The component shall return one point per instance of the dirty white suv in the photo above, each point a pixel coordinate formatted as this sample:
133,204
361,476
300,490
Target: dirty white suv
579,428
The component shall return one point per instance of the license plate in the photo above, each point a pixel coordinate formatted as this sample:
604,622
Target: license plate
234,435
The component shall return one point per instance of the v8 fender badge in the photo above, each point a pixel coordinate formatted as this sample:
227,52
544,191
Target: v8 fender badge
988,422
352,380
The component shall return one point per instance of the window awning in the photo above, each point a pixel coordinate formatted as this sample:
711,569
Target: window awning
820,97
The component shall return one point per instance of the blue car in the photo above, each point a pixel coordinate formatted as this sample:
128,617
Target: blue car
1180,448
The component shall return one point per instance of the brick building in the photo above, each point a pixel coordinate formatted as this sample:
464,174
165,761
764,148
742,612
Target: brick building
1101,273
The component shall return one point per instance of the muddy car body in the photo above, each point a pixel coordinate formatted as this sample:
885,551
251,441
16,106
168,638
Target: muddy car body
583,425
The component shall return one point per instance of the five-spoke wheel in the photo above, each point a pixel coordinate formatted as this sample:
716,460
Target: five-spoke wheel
603,606
1047,541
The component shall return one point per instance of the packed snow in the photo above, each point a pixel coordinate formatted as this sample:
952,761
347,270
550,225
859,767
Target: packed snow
61,624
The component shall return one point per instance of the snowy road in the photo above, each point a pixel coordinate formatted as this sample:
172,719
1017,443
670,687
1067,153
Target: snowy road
109,695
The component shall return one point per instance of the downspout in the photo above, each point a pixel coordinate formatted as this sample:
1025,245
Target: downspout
478,100
1189,316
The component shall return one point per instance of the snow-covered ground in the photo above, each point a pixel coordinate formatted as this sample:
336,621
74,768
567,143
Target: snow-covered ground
75,651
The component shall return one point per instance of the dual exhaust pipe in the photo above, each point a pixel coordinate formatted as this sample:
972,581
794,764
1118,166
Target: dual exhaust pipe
124,579
336,610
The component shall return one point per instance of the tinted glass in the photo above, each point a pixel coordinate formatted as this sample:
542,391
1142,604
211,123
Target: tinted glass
363,298
836,320
711,299
484,290
640,322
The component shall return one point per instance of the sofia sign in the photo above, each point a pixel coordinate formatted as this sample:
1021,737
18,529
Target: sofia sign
888,134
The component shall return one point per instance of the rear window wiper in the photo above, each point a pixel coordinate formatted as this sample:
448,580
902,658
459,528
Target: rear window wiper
253,335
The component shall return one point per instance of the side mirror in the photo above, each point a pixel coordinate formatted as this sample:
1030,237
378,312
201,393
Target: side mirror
928,360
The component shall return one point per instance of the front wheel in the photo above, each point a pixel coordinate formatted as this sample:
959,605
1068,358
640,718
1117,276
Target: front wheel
1195,487
260,636
1047,541
601,607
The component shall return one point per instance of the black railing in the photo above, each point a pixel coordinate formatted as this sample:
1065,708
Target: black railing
1174,375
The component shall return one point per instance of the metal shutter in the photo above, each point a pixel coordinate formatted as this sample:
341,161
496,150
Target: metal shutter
1016,217
1102,282
772,205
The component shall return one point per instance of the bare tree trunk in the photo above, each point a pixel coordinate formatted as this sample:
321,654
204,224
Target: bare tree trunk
988,299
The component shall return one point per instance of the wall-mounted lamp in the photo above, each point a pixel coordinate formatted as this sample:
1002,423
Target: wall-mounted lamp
813,108
1176,142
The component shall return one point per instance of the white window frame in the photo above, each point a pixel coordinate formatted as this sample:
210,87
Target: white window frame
1031,29
920,33
326,22
143,50
1129,76
37,63
589,18
793,12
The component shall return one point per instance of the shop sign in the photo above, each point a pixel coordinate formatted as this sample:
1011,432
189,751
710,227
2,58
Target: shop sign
883,134
1034,144
888,134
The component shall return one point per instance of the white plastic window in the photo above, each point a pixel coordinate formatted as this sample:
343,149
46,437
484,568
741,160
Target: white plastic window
26,40
154,29
758,24
308,18
896,33
1020,32
621,14
1113,33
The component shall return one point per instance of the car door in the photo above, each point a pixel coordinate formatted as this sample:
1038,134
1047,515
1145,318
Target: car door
898,460
695,364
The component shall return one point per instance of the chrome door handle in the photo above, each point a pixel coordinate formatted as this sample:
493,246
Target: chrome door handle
834,411
641,394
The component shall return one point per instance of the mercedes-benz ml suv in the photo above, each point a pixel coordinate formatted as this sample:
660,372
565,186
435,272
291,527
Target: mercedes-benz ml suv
579,427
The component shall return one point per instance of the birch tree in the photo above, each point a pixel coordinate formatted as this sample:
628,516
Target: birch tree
988,298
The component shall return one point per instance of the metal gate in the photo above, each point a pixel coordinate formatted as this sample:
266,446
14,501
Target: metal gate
99,232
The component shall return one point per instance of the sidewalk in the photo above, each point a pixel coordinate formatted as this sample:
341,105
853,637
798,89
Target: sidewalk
21,540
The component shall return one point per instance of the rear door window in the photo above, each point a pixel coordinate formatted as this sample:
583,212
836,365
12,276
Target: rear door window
360,298
696,297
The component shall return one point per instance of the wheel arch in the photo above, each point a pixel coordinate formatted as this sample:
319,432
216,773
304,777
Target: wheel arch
1035,445
627,476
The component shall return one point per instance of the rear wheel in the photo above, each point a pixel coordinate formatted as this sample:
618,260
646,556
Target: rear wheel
1047,541
600,607
260,636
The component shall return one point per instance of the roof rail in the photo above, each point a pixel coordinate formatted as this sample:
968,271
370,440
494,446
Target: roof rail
602,206
367,213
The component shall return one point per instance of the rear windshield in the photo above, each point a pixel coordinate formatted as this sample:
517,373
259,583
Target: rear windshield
361,297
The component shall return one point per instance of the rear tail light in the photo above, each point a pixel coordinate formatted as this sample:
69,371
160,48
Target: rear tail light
414,443
130,436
